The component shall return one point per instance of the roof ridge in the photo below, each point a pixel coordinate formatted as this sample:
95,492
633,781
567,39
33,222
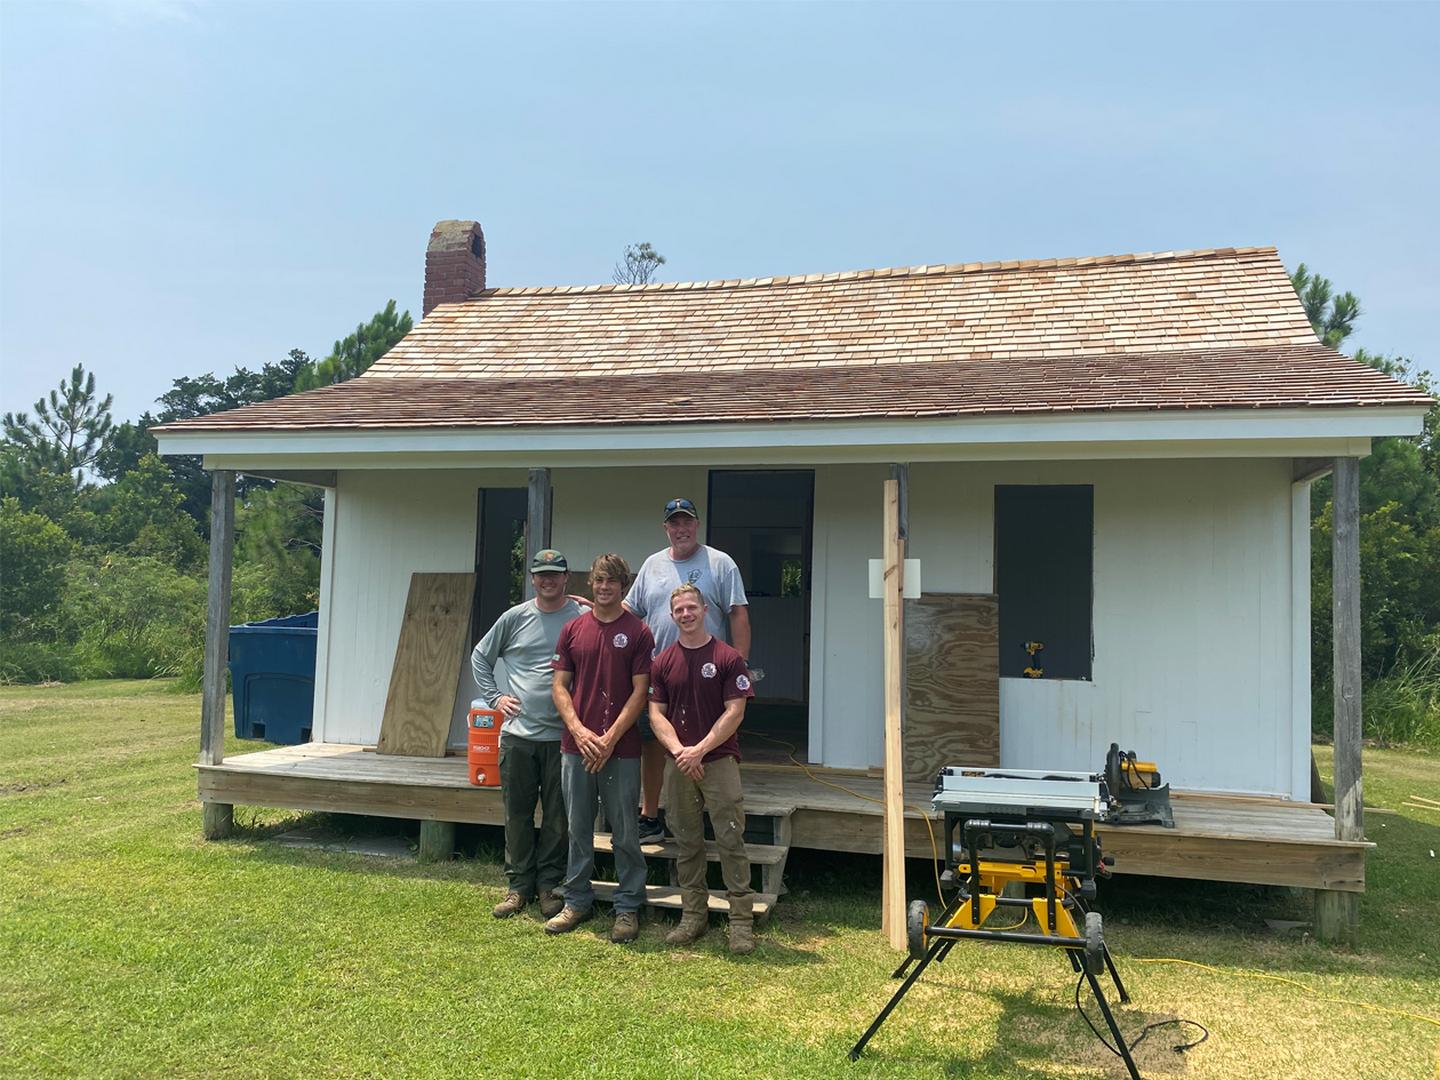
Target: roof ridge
922,270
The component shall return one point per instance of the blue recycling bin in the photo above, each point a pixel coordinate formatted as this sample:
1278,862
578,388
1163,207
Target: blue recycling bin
272,677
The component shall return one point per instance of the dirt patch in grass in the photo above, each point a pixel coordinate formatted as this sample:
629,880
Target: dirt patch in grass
20,786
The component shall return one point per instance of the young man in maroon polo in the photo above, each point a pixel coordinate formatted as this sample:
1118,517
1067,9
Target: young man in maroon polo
698,690
602,673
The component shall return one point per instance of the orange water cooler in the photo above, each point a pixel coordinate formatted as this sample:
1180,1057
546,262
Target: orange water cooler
482,746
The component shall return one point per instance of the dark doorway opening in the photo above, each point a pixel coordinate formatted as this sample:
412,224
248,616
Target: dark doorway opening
763,520
1044,577
499,556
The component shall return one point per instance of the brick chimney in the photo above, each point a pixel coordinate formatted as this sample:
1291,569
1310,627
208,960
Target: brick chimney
454,263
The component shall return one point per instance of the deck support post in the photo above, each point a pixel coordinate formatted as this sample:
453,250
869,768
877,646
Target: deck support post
218,820
219,817
1337,914
893,884
437,841
537,520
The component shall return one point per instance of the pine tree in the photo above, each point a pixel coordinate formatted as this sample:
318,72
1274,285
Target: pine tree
1333,317
68,431
356,353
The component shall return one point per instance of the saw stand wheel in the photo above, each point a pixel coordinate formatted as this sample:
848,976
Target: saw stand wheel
1094,943
917,924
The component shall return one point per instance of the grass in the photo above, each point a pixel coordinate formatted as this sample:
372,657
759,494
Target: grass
130,947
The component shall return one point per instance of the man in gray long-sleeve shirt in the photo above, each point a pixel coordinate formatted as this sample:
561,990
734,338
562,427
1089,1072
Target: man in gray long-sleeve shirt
524,639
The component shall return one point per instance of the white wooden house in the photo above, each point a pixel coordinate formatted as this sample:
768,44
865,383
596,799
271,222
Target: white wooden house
1121,448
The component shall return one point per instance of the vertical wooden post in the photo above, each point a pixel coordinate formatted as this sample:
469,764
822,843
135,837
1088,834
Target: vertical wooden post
437,841
218,817
893,892
537,520
1337,914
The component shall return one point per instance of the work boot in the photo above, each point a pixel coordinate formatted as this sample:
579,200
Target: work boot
626,928
742,938
691,928
552,901
568,919
512,903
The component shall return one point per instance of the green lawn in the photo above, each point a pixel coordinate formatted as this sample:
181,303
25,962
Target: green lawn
130,947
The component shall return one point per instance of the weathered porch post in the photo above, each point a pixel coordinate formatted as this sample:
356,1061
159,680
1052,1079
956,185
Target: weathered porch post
1337,914
537,520
892,917
218,817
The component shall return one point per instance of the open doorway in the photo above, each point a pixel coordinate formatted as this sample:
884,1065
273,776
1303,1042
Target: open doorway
499,556
499,582
763,520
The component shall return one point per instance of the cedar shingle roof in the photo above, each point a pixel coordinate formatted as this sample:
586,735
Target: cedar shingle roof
973,311
1180,330
1280,377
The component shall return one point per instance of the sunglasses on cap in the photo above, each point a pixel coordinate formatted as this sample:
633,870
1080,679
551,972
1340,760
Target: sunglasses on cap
680,506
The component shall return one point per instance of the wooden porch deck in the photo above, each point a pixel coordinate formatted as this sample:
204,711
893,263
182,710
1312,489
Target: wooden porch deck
1216,838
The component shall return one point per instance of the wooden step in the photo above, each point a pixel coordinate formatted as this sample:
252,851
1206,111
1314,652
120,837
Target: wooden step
760,854
668,896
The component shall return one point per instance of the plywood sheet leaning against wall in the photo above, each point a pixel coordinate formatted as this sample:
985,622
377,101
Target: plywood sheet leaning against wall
952,683
428,656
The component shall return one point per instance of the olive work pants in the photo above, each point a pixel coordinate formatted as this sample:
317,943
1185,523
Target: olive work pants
530,773
686,802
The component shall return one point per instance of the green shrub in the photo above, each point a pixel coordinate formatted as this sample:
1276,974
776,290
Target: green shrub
38,661
134,616
1401,708
33,554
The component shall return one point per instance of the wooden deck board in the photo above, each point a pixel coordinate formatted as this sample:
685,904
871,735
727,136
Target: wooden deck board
1217,838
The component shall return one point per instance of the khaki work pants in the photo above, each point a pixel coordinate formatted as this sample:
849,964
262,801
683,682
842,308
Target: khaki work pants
686,803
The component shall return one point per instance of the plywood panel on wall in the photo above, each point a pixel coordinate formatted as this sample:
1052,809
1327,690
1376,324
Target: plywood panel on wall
432,647
952,683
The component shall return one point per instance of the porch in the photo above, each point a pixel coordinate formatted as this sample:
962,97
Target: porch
1216,837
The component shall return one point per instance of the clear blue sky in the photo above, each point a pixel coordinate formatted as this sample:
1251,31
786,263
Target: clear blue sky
188,187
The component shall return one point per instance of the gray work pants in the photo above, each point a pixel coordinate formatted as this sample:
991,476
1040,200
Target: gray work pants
530,773
616,790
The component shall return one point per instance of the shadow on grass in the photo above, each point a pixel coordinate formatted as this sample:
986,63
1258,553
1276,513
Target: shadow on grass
831,893
1031,1029
479,858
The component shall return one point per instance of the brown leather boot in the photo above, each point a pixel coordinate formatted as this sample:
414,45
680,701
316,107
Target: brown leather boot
552,902
512,903
568,919
691,928
626,928
742,938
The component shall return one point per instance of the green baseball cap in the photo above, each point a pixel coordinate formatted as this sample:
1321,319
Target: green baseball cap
548,560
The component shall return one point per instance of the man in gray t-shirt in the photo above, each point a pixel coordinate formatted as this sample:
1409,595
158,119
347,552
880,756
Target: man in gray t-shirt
523,639
727,616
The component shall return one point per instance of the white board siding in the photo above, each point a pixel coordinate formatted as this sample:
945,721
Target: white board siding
328,549
620,510
388,525
1196,647
846,626
1300,639
1193,633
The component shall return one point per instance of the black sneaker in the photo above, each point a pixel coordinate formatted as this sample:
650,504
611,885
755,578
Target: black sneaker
651,831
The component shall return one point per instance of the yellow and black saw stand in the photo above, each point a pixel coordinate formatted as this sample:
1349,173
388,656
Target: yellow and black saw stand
1054,883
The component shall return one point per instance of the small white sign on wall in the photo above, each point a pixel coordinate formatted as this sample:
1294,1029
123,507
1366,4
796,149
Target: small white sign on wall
912,579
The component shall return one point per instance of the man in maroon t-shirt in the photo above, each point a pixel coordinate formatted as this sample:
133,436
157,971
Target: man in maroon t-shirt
698,690
602,672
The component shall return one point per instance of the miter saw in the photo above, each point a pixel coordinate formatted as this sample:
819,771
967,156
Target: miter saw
1033,831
